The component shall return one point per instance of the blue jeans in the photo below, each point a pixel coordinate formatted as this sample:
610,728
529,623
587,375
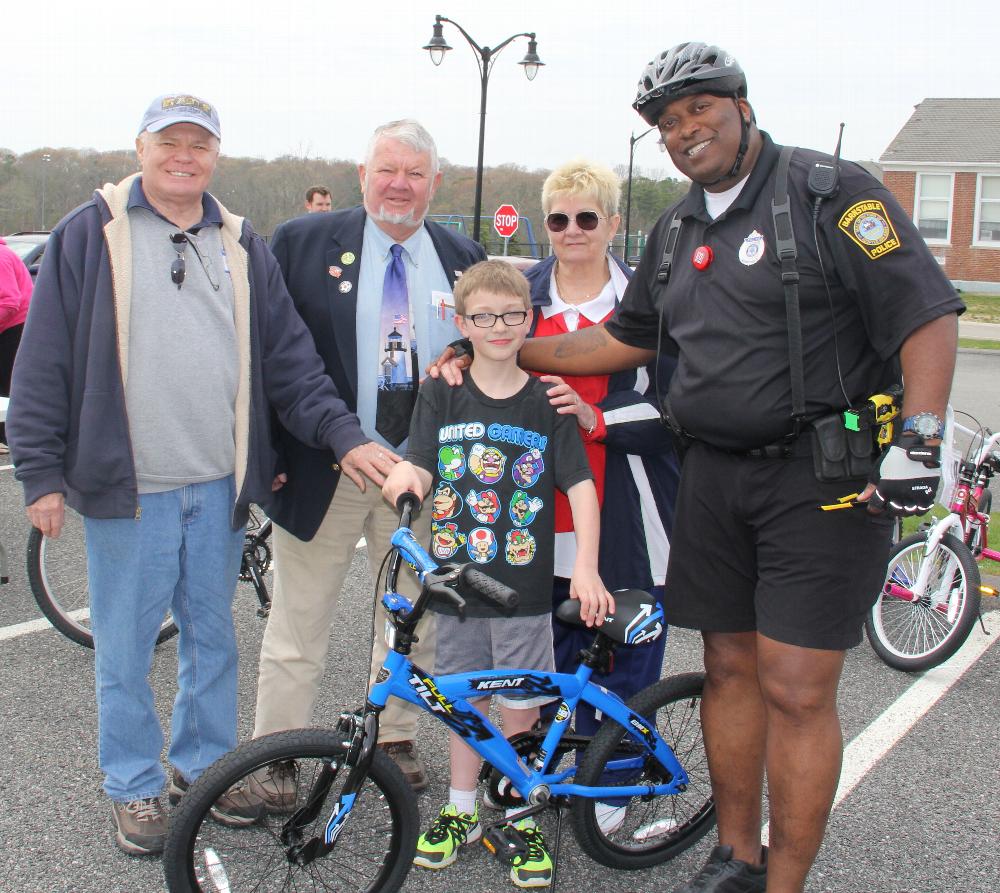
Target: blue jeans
183,556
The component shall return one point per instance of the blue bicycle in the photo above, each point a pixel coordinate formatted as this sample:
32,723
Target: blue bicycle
347,820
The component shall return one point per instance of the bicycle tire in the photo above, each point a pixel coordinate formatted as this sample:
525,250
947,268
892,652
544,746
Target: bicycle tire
380,837
657,829
57,574
915,636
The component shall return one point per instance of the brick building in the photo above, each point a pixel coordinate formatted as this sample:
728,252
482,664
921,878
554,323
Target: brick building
944,168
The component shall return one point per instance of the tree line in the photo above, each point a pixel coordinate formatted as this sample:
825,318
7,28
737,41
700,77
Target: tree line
39,187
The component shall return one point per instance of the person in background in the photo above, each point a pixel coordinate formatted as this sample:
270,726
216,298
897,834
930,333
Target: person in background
630,450
15,295
374,285
318,199
159,338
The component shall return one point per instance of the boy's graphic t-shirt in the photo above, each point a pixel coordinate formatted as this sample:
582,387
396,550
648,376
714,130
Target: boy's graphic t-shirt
496,464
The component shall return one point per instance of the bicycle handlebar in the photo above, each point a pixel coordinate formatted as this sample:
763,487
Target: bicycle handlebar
489,588
442,581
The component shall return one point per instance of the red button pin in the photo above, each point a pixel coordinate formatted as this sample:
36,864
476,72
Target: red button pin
702,257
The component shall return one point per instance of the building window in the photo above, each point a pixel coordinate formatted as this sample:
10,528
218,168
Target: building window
988,211
933,206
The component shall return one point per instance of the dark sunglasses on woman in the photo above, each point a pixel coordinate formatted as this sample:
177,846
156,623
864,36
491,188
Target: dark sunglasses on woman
586,220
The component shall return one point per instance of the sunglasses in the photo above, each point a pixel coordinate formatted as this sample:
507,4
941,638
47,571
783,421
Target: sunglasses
586,220
177,267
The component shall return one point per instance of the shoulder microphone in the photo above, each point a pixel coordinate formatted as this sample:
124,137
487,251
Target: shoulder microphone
824,178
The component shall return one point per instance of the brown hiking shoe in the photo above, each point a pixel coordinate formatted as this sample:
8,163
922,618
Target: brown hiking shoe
275,786
405,755
141,826
235,808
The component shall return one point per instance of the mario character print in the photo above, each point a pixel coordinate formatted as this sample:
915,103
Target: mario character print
446,503
484,505
482,545
524,508
486,463
520,547
528,468
445,540
451,462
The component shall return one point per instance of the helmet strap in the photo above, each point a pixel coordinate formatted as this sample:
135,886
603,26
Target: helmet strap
744,145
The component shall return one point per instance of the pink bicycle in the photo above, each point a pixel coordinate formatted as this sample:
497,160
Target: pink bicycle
931,597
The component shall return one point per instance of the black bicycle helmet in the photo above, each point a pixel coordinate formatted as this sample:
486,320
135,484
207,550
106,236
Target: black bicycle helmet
685,69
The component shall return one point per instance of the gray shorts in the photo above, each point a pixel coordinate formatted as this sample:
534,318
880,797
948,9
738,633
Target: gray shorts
485,643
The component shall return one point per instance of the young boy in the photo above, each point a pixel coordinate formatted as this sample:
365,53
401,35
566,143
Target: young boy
494,450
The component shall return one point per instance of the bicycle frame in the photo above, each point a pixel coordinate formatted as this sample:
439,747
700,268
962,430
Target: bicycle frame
446,699
961,522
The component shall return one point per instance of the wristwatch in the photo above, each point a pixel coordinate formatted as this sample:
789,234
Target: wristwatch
926,424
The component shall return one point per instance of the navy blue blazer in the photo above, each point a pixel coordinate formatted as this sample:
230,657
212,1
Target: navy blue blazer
306,248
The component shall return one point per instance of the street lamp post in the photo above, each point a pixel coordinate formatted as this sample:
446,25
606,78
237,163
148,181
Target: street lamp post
632,140
485,56
46,158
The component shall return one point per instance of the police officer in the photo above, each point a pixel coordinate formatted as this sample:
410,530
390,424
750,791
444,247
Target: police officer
778,588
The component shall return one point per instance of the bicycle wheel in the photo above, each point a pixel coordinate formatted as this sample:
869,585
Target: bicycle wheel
373,852
917,635
651,830
57,574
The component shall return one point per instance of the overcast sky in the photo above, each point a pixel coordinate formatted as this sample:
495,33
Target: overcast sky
314,77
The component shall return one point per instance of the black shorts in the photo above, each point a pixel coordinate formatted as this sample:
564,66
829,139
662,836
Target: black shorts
751,550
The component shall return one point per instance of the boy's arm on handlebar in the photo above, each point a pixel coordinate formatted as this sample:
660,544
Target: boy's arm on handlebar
406,477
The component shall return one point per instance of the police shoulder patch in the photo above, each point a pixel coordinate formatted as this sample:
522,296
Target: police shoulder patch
867,224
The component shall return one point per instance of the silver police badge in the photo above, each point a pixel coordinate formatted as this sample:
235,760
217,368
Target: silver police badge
752,249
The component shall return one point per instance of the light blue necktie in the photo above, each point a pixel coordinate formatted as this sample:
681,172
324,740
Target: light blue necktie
398,369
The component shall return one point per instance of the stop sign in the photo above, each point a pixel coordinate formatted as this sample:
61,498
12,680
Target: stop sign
505,221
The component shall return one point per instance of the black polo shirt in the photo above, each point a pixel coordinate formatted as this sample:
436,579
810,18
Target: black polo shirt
726,323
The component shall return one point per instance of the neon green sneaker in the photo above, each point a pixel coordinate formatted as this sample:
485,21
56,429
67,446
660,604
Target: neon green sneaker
438,846
534,869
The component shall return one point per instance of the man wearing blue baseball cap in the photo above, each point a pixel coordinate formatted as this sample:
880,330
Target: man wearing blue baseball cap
159,338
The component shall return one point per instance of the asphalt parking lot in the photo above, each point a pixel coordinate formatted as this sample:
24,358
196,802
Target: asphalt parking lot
921,818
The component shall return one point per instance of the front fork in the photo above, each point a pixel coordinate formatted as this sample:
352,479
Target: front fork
360,733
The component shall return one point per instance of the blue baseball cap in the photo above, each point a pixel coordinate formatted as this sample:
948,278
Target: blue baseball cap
175,108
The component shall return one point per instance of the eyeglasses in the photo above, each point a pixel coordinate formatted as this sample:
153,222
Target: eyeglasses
177,267
586,220
488,320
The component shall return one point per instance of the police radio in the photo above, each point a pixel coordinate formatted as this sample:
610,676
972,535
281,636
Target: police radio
824,178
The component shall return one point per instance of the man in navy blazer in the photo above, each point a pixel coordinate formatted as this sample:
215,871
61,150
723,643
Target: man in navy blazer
334,265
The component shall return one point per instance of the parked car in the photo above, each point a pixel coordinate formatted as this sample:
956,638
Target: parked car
29,246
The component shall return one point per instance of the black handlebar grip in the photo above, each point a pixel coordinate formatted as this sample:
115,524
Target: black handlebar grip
407,502
489,588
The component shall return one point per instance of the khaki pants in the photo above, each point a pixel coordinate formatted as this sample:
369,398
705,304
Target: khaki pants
307,581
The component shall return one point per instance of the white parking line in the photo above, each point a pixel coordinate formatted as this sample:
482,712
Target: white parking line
34,626
863,753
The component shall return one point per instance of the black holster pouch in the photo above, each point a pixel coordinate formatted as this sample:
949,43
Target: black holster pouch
840,454
682,440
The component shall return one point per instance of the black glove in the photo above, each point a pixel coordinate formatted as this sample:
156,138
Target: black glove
906,477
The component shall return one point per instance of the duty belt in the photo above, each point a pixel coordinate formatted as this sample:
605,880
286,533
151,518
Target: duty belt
786,448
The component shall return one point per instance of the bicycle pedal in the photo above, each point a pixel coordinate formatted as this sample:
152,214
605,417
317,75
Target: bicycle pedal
506,843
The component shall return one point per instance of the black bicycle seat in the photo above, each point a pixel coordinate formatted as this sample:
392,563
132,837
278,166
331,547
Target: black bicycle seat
637,618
